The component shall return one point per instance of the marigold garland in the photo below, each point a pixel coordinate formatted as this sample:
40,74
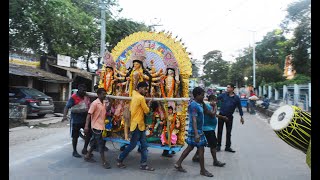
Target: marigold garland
171,129
106,86
171,90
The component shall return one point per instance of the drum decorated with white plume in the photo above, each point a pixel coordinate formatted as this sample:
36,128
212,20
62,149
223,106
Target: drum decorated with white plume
292,125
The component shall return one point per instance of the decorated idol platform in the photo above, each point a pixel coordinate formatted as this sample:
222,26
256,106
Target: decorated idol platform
163,62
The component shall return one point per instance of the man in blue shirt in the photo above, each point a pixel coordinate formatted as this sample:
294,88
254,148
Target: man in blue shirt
229,101
209,126
196,137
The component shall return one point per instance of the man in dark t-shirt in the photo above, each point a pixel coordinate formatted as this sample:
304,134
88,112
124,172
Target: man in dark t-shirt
229,102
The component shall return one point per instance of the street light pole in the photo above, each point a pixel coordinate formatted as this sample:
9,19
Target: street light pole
103,31
254,62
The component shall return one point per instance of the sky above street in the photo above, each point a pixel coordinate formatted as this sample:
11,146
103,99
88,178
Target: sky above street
207,25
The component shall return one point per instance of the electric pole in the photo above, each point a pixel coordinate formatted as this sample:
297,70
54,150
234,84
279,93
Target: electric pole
103,31
254,59
254,62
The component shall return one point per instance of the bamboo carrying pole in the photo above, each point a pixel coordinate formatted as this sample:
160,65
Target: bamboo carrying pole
90,94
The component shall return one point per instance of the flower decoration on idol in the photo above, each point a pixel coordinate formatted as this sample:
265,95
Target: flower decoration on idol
106,74
170,82
137,72
171,64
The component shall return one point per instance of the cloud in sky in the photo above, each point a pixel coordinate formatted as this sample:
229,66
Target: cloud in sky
207,25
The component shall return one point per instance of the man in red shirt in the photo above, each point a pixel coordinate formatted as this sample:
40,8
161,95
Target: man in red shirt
78,104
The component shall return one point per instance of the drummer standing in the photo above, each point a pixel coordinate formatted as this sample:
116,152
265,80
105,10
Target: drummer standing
229,101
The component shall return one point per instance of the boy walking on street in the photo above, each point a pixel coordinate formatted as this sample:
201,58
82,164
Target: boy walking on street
138,108
96,116
196,137
209,126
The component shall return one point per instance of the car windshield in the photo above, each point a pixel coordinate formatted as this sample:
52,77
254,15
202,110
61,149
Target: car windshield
33,92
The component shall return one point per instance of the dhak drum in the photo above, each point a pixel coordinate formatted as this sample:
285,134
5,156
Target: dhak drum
293,126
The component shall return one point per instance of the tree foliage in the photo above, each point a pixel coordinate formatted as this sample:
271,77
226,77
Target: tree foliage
272,50
195,68
120,28
53,26
215,68
68,27
269,73
236,73
298,79
300,13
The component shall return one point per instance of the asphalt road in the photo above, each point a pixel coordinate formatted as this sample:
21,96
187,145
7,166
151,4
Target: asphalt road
260,155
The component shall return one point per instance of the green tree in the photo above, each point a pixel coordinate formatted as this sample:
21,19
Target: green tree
236,73
269,73
49,26
273,48
22,29
300,13
195,68
68,27
215,68
119,29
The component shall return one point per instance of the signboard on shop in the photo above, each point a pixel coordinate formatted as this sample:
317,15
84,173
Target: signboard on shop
63,60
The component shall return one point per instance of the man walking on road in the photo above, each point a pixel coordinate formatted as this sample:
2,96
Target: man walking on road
209,126
138,108
97,115
79,104
229,101
196,137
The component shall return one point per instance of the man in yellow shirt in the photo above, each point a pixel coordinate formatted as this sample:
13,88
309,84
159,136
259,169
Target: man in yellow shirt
138,108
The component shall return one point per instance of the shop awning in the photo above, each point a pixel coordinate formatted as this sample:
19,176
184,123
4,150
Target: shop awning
79,72
21,70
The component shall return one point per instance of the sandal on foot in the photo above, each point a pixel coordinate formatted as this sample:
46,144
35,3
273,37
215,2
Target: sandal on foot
180,168
85,152
120,164
76,154
106,165
147,168
219,164
206,173
89,160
